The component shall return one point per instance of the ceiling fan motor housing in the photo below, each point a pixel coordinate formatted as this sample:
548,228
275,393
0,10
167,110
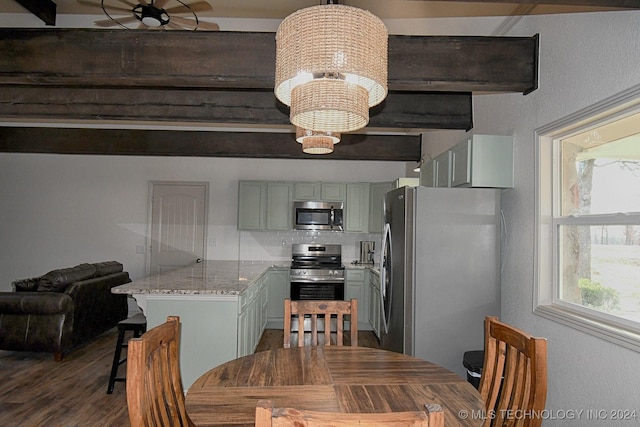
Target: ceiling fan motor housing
151,15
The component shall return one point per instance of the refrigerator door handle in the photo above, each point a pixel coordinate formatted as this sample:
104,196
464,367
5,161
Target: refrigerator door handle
383,259
384,263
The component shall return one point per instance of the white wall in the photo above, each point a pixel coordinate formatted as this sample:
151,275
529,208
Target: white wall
584,58
60,210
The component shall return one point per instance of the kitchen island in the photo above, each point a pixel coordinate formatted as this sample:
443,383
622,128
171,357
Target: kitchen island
222,307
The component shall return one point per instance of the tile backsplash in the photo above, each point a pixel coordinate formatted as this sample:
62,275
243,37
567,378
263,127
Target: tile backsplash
276,245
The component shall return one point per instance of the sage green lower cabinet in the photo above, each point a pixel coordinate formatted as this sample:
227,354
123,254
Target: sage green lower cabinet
252,318
278,288
215,328
374,301
209,332
354,287
357,207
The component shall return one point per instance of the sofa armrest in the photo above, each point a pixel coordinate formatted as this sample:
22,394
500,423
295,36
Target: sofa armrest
35,303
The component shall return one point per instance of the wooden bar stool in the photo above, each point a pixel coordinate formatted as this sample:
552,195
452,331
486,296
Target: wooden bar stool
137,324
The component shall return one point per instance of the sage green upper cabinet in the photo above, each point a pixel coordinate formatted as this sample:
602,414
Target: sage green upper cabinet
479,161
268,205
333,191
406,182
483,161
306,191
320,191
279,205
377,190
442,165
357,207
252,197
428,174
265,205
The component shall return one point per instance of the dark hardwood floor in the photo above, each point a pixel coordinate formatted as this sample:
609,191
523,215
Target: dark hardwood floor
37,391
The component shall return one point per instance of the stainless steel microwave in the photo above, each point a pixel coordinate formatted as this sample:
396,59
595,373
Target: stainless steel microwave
318,216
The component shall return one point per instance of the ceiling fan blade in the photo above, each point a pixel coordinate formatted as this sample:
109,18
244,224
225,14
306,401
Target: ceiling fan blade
191,23
210,26
200,6
160,4
105,23
175,26
115,21
130,4
95,4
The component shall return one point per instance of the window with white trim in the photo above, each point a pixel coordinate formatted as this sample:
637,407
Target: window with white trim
588,224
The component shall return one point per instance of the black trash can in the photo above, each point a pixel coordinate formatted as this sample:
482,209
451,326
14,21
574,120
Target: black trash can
473,361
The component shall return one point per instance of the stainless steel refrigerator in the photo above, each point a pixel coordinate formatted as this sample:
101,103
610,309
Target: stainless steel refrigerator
440,271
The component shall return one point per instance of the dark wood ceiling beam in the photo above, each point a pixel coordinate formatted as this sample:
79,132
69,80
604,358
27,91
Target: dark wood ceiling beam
240,60
628,4
403,148
45,103
43,9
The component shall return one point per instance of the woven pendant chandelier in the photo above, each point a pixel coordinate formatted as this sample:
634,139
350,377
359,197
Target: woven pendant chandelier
317,145
314,142
331,66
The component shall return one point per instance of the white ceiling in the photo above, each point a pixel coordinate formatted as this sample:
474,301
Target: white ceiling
278,9
252,15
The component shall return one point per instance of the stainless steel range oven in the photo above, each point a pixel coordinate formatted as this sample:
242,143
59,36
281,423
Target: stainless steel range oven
317,272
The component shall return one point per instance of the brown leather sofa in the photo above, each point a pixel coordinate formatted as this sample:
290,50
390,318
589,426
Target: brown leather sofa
62,309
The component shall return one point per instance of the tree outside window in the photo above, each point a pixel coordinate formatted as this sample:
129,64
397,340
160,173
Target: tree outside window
597,219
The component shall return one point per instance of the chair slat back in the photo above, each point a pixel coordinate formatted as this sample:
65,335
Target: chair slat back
155,396
514,376
328,309
269,416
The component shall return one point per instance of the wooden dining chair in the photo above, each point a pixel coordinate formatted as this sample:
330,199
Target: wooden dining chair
267,415
313,309
513,383
155,396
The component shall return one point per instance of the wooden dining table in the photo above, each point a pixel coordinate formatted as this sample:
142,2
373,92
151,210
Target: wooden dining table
335,379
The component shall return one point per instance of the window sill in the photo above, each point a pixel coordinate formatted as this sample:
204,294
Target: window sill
592,326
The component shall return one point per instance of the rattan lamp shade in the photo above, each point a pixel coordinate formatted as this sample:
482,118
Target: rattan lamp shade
314,142
317,145
302,134
331,66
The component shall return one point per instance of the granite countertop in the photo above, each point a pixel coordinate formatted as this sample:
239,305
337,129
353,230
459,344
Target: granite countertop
207,278
362,266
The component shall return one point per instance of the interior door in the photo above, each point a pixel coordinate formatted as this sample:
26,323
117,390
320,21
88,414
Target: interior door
178,215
